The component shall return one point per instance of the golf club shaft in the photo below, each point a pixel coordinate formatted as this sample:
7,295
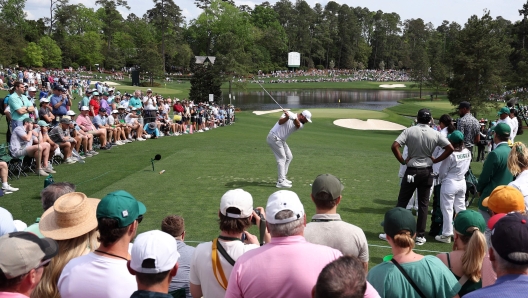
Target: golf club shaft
270,96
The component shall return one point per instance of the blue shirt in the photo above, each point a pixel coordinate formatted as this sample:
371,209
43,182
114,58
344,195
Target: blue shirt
154,132
43,94
99,121
62,110
507,286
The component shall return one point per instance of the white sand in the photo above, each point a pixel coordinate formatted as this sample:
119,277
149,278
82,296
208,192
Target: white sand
370,124
258,113
393,86
109,83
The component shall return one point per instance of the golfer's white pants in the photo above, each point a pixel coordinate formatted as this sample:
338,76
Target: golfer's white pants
452,194
282,153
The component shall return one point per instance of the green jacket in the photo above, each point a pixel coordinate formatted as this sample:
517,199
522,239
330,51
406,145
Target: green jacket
494,172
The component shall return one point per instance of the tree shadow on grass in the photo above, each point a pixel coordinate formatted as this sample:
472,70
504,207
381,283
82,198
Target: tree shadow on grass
238,184
36,198
388,202
362,210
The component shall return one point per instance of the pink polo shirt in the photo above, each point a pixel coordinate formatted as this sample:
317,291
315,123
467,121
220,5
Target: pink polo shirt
287,267
12,295
85,123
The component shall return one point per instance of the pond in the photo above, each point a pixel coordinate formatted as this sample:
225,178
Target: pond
320,98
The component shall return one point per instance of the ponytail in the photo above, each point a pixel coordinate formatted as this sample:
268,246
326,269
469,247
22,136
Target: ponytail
518,158
404,240
448,122
474,253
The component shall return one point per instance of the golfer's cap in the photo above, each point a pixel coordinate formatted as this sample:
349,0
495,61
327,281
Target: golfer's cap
502,129
307,115
23,251
329,184
284,200
423,113
70,113
154,252
115,111
44,100
32,89
95,93
398,219
456,137
121,206
239,199
85,108
503,110
65,120
464,105
468,221
42,123
505,199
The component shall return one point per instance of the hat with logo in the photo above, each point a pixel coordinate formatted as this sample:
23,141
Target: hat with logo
509,238
464,105
503,110
504,199
468,221
307,115
502,129
399,219
456,137
154,252
23,251
284,200
329,184
121,206
42,123
424,114
85,108
239,199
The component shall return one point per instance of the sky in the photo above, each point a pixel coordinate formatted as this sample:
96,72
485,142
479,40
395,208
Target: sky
434,11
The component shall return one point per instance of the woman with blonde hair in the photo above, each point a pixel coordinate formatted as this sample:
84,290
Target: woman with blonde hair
469,249
72,222
518,166
409,274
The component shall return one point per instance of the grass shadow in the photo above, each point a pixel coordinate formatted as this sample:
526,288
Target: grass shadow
238,184
362,210
389,202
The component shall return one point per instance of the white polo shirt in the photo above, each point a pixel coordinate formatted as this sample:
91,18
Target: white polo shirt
285,130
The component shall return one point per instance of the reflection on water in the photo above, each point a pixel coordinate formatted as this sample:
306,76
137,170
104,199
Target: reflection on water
320,98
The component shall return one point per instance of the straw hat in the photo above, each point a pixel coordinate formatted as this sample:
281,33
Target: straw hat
71,216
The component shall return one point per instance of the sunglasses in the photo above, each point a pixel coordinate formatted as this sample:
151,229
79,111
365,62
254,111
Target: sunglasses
44,264
139,219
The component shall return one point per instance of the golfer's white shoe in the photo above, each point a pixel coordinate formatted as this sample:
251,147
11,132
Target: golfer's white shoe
283,184
288,181
383,236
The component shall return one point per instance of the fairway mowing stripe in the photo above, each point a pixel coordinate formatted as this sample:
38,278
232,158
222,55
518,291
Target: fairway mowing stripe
96,177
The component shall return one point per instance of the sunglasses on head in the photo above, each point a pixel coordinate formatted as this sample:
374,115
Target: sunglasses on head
44,264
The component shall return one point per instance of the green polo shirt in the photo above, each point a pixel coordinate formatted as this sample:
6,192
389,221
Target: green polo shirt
16,102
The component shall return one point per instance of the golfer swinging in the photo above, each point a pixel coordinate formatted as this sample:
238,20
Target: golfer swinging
288,123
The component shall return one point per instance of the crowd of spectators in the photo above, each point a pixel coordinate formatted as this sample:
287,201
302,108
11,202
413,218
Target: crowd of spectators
330,75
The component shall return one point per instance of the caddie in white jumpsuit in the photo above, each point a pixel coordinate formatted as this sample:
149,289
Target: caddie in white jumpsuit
452,176
287,124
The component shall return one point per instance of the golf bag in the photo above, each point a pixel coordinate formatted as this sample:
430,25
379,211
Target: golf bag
471,187
436,217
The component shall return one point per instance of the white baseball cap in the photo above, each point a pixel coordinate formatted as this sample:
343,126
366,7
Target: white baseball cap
157,246
70,113
44,99
85,108
237,198
307,115
283,200
115,111
32,89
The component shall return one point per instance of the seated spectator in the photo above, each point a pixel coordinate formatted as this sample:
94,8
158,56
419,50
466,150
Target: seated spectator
431,276
4,173
509,256
286,267
518,166
101,121
154,262
327,228
119,135
85,123
45,111
7,224
133,125
152,130
22,145
118,217
60,134
469,248
174,225
24,256
236,212
343,278
73,224
48,196
81,137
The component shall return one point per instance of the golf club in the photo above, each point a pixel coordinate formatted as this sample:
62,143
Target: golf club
270,96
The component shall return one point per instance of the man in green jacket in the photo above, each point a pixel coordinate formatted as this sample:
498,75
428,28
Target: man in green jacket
495,170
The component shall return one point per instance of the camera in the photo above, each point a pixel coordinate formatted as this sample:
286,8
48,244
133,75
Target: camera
254,220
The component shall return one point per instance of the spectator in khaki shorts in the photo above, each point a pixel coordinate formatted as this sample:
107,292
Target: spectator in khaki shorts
84,122
82,138
60,134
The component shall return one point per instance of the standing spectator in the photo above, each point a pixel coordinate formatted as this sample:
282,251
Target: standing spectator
453,190
421,140
154,262
514,124
428,273
85,101
481,153
22,145
469,248
24,256
135,101
495,169
327,228
343,278
518,166
118,217
286,267
174,225
95,104
59,102
208,278
468,125
19,106
504,117
149,103
509,257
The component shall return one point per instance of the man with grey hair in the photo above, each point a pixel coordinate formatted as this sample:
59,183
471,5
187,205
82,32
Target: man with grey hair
509,258
288,266
48,196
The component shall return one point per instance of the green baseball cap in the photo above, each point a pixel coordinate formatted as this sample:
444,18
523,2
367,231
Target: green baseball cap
121,206
327,183
30,120
502,129
466,221
456,137
503,110
398,219
42,123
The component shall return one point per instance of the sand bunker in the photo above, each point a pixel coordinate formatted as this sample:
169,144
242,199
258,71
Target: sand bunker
370,124
110,83
393,86
258,113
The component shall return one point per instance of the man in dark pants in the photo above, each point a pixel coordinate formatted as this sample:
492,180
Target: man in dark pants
421,140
